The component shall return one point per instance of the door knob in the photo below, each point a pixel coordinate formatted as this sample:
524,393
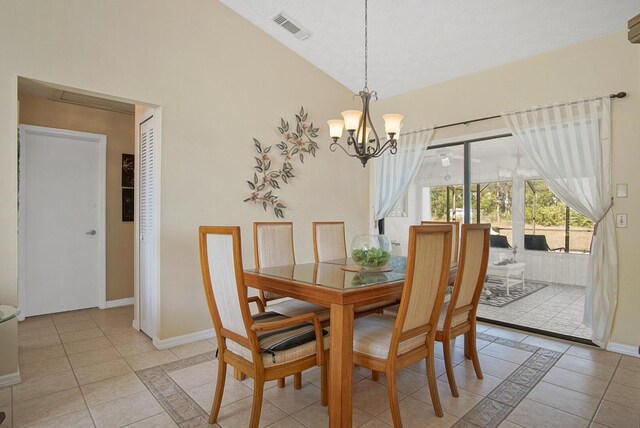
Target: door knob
91,232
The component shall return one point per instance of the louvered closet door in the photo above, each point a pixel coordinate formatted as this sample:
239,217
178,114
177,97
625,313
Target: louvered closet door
147,226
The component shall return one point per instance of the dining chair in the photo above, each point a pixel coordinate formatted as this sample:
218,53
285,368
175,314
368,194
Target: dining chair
455,234
273,246
458,316
265,346
455,229
387,344
329,241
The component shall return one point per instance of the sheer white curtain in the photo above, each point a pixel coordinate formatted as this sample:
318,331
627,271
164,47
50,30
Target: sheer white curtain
570,146
394,172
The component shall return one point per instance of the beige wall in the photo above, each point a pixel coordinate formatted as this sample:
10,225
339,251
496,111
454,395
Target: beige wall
598,67
220,82
119,129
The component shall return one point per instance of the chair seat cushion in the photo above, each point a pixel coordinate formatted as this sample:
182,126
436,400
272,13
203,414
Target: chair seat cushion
457,320
372,336
293,308
391,311
282,345
374,306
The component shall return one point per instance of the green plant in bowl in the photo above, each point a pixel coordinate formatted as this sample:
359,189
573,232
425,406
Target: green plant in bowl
371,258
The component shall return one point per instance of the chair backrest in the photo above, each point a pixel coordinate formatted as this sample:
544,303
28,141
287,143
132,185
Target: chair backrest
536,242
425,282
223,280
499,241
455,230
273,246
329,242
472,269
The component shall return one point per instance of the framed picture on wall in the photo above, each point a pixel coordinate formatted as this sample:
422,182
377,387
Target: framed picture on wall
127,205
128,169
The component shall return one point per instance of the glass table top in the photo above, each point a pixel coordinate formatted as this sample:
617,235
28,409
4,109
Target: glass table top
331,275
8,312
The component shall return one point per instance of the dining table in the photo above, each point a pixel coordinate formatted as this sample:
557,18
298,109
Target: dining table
330,285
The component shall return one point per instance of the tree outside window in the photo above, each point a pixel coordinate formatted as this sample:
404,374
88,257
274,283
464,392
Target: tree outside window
545,214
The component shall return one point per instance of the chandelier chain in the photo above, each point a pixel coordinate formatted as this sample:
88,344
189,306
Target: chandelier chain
366,46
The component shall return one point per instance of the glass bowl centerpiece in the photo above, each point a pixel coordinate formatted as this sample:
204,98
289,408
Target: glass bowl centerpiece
371,252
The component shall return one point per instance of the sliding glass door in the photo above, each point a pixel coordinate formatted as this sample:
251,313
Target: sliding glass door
493,181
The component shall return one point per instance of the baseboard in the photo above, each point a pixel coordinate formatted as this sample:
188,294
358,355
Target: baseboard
135,324
623,349
120,302
10,379
184,339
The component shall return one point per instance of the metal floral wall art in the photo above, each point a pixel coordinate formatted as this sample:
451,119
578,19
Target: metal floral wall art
272,170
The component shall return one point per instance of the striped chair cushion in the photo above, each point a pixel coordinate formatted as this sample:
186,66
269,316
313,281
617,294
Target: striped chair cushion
281,339
282,345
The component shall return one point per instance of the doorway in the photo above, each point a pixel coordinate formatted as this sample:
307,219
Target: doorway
130,279
62,220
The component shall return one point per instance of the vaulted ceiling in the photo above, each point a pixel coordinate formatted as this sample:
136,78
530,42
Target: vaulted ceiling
417,43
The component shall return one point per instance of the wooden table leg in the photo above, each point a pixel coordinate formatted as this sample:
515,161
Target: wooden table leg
340,382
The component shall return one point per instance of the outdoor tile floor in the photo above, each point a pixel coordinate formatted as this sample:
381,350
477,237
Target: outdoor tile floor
557,308
109,375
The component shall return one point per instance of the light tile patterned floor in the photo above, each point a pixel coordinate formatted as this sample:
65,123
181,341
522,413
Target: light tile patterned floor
109,375
557,308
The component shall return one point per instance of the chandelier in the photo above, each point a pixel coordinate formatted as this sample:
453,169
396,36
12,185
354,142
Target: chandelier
362,134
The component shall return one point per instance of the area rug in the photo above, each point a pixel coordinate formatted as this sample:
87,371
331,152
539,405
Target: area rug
498,293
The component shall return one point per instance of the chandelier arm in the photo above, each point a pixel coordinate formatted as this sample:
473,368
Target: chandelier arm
332,147
394,147
384,147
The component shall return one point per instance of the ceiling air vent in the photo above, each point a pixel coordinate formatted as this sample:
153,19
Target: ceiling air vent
286,22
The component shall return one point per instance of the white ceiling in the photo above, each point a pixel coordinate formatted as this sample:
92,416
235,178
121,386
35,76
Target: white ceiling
417,43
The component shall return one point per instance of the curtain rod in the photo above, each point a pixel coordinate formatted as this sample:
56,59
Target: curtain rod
466,122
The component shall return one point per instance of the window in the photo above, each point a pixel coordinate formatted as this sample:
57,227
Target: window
495,206
447,203
546,215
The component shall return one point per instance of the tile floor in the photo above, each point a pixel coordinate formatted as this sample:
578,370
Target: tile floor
90,368
556,308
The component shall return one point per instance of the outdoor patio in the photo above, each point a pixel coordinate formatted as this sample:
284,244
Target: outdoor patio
554,307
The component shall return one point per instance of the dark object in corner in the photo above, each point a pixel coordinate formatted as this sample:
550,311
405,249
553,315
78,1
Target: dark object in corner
499,241
538,243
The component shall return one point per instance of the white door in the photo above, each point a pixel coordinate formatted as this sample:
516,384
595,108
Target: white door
61,220
147,219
